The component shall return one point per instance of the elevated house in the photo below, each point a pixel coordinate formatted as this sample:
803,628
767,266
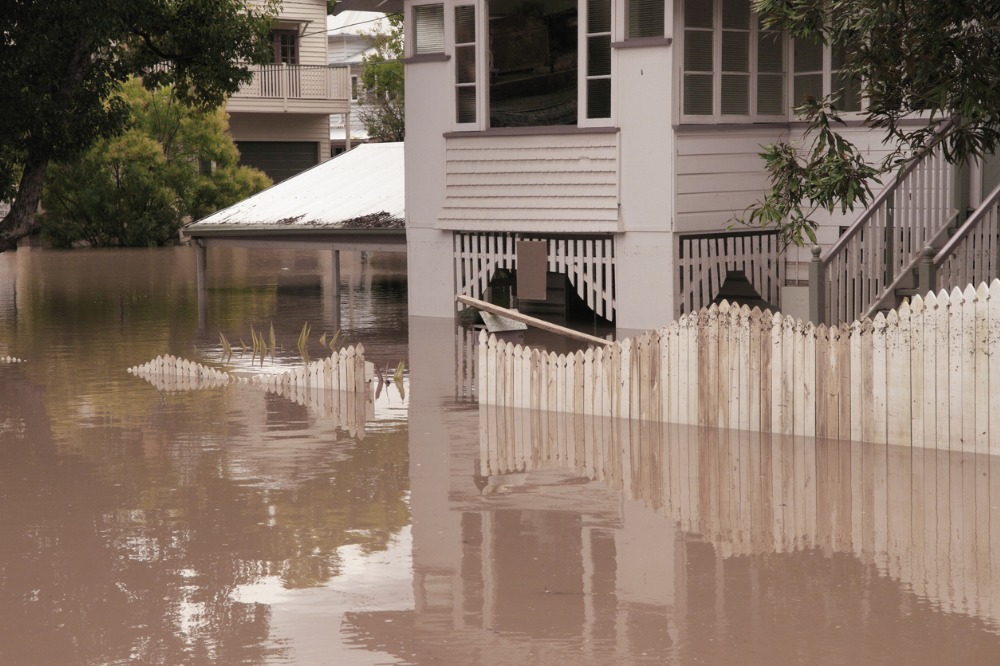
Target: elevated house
281,120
596,152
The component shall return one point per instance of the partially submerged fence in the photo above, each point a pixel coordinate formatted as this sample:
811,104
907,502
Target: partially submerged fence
338,386
921,376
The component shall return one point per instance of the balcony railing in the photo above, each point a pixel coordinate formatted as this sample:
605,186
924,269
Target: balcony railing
297,82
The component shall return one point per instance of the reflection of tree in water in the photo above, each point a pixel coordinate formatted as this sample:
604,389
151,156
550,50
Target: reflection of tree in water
129,546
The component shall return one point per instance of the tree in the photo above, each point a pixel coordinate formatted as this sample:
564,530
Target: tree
135,189
381,109
61,65
938,62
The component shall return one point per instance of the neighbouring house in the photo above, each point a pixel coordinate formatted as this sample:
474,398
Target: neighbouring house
594,153
281,120
348,45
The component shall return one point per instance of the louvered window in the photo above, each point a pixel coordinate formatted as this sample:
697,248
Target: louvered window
598,46
644,18
733,69
428,29
465,64
820,71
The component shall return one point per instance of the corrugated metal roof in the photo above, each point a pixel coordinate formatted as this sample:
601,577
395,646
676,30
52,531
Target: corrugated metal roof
357,189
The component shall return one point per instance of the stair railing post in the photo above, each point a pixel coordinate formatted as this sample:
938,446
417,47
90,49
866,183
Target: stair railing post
928,272
890,250
817,287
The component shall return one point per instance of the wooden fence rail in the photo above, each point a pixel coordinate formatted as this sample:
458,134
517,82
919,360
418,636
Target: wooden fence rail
927,375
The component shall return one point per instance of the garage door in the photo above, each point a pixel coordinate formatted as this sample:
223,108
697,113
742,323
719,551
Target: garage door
279,159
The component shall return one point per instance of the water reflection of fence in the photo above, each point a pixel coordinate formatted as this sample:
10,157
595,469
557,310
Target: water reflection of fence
925,375
923,517
337,386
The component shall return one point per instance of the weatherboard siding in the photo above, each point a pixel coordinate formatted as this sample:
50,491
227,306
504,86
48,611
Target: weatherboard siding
313,39
548,183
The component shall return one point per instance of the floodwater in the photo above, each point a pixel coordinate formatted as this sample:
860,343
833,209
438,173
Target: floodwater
229,525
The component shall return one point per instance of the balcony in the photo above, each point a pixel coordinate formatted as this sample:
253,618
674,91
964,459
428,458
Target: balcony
283,88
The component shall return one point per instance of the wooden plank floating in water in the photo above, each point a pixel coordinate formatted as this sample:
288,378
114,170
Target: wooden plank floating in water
922,376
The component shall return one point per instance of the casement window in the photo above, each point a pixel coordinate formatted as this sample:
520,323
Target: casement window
532,63
428,29
285,44
818,71
735,70
354,88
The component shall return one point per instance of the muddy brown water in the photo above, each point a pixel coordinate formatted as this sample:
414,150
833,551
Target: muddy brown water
233,526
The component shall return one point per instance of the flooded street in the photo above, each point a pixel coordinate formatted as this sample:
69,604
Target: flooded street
230,525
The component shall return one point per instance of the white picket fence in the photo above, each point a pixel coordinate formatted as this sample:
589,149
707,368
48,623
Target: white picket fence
906,512
337,386
928,374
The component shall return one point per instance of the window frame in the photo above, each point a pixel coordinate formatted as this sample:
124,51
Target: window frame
414,50
788,59
481,7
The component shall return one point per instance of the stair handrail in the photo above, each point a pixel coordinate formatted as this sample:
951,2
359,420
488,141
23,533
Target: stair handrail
853,275
985,213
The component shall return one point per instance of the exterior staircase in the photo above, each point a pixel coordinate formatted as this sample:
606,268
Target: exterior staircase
910,240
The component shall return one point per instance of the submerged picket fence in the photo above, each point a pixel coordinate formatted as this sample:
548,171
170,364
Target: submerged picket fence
927,374
338,386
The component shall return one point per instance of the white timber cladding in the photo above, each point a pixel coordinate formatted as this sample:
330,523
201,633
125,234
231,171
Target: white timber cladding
588,262
553,183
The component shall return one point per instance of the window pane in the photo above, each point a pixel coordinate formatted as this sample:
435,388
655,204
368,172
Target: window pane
428,24
771,95
848,91
697,51
599,55
698,94
645,18
736,94
838,57
465,103
735,14
770,54
598,16
698,13
599,98
465,24
533,62
735,51
465,64
808,56
808,86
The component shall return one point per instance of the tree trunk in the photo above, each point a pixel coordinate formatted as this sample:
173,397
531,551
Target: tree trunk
22,218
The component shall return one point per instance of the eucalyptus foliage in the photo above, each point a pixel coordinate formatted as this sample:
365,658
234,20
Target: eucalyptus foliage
62,64
930,76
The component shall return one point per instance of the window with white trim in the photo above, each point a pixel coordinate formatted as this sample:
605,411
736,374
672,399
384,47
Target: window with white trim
465,65
735,70
818,71
644,18
533,63
428,29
